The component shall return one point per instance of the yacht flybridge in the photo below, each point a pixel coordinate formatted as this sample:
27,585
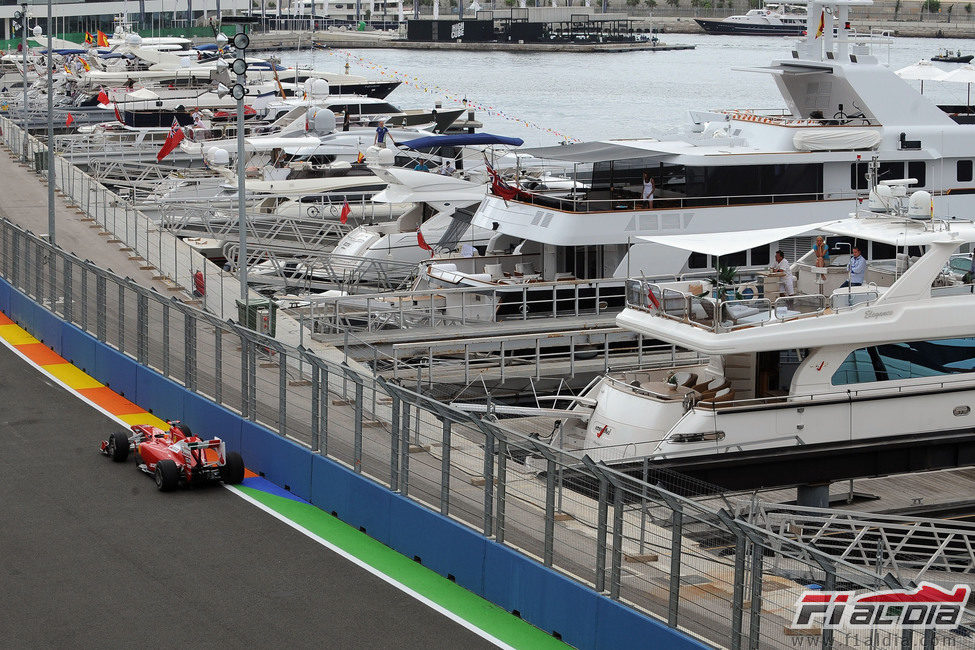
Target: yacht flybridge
743,169
894,356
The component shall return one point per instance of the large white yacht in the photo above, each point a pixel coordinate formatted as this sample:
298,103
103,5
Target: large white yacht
772,19
894,356
744,169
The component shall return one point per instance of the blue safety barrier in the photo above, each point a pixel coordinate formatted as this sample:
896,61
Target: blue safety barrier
541,596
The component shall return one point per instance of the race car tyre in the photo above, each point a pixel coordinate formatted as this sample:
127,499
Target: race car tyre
118,446
185,429
232,472
166,475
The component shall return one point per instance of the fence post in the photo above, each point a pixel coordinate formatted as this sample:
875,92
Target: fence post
189,351
404,473
142,328
502,486
282,392
100,315
121,316
84,298
165,337
489,433
245,374
218,364
68,289
676,547
14,258
738,593
445,468
550,468
394,443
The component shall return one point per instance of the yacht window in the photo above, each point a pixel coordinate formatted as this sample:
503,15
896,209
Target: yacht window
733,259
907,361
887,171
697,261
964,171
760,256
917,170
881,251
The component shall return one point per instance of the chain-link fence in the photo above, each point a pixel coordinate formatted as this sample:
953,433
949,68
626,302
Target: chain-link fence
697,568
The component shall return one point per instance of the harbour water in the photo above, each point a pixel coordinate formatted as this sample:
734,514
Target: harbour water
611,95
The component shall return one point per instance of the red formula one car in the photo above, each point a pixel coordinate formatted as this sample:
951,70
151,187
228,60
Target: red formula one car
176,456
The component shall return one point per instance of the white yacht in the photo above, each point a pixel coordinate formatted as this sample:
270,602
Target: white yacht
744,169
894,356
772,19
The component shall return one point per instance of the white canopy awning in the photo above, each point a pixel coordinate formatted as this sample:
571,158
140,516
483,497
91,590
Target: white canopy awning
922,70
724,243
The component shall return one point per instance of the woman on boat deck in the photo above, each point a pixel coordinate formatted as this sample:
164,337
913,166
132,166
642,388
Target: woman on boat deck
822,252
648,188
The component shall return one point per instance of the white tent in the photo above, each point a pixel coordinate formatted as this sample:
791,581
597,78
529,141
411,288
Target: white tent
964,74
922,71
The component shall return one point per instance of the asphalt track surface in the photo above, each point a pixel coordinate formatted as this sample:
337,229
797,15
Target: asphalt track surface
91,553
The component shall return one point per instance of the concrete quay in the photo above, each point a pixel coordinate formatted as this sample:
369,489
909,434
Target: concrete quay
345,39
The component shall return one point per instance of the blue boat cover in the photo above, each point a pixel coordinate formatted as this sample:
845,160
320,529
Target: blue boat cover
460,140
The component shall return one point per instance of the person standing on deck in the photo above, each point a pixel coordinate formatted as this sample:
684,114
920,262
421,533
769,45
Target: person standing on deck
648,188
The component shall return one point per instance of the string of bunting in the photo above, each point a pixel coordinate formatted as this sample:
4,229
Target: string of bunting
418,83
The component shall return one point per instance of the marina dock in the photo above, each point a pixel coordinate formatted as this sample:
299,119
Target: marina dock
523,369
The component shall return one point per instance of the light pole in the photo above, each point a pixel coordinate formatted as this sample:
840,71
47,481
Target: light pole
50,121
23,62
239,90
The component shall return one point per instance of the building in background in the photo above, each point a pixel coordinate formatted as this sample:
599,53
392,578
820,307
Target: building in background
78,16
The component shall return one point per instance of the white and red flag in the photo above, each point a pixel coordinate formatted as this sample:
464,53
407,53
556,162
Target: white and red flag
172,141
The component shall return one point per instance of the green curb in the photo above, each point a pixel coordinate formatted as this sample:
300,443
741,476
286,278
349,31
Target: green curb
463,603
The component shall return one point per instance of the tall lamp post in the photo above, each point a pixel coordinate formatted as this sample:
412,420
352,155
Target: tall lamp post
50,120
239,90
22,15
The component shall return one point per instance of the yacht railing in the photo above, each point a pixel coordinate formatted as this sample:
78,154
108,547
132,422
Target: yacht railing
782,118
469,305
717,314
617,203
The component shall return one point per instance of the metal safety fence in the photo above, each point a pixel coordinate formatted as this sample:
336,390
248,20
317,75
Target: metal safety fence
699,569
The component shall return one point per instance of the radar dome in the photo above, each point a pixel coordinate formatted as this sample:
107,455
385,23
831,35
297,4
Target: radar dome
920,204
316,89
219,156
880,198
133,39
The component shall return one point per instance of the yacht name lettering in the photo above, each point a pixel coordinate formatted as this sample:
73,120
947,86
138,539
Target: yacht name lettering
872,313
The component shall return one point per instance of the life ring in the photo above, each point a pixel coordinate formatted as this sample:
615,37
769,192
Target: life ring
314,211
334,211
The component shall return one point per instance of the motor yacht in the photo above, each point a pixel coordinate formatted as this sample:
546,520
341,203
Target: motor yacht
740,169
894,356
773,19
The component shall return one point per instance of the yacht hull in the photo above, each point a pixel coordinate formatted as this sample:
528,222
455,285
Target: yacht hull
720,27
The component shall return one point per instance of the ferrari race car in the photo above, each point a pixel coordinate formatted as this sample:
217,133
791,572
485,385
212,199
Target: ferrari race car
176,456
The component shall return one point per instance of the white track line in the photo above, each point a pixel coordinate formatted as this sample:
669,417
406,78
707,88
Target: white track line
301,529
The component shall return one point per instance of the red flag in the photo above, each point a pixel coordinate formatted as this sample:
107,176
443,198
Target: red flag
70,120
422,243
102,97
172,140
344,216
118,116
102,39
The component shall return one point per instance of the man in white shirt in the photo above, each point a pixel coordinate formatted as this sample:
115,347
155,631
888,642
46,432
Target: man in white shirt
782,266
856,267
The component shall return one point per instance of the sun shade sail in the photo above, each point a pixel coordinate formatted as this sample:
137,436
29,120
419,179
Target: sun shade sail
724,243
